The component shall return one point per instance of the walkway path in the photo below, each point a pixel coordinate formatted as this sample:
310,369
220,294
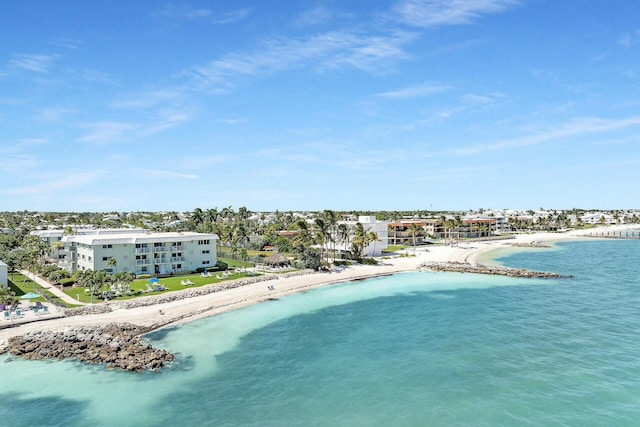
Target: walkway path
51,288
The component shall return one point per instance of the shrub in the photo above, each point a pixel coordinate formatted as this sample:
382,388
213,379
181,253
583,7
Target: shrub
67,282
344,263
222,266
369,261
144,276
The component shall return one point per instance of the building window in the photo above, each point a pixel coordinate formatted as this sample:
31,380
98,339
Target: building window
144,269
205,262
203,242
205,251
105,258
107,246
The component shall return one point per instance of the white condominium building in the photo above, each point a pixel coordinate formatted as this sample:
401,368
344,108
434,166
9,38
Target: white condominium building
141,253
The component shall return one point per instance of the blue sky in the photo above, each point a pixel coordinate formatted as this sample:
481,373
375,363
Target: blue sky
303,105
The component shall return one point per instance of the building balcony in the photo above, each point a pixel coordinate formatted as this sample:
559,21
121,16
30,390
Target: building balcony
143,261
142,250
178,259
177,248
161,260
161,249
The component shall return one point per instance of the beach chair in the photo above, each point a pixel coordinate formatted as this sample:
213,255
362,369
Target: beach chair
149,288
183,283
19,313
189,282
45,309
36,311
7,315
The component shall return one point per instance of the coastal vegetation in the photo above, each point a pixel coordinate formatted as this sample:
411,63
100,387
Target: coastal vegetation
306,240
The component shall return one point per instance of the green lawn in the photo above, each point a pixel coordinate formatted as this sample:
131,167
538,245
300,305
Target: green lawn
21,285
139,287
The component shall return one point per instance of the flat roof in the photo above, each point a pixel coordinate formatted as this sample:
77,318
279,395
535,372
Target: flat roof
132,238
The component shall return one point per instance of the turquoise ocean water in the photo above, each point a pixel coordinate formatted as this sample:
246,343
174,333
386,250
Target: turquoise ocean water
437,349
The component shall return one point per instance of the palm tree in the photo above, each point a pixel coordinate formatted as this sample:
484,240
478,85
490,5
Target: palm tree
303,239
331,220
415,230
113,263
372,237
359,240
323,236
343,234
197,216
57,246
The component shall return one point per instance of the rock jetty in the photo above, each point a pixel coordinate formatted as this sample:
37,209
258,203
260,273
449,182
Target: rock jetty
116,345
530,245
461,267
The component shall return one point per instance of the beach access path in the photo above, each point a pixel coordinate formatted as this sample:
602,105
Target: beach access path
189,309
51,288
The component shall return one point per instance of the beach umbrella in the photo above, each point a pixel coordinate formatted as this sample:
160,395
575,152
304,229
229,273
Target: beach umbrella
153,280
30,295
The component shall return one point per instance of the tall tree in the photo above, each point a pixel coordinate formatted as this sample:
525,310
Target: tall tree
415,230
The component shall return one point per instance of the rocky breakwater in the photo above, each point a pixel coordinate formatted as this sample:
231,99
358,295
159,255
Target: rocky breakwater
530,245
116,345
461,267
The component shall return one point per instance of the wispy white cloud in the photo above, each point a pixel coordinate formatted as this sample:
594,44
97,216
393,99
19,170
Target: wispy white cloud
232,121
149,99
575,128
55,183
66,43
331,50
630,39
93,76
201,162
312,17
415,91
107,132
53,114
165,119
15,162
36,62
231,17
185,12
164,173
429,13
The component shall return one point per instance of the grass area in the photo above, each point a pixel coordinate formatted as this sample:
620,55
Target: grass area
395,248
21,285
139,287
235,263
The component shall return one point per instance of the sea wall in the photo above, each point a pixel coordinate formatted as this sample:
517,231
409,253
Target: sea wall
164,297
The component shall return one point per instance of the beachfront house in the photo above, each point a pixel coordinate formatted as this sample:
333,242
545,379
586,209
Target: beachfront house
370,224
141,252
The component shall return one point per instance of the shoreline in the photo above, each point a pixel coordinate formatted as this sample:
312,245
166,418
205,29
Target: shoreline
181,311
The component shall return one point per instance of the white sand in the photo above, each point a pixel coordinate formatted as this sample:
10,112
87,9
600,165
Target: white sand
215,303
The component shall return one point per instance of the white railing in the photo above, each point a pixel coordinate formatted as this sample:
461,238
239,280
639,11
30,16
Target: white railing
142,250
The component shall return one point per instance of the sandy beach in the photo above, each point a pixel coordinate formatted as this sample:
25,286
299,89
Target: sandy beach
190,309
